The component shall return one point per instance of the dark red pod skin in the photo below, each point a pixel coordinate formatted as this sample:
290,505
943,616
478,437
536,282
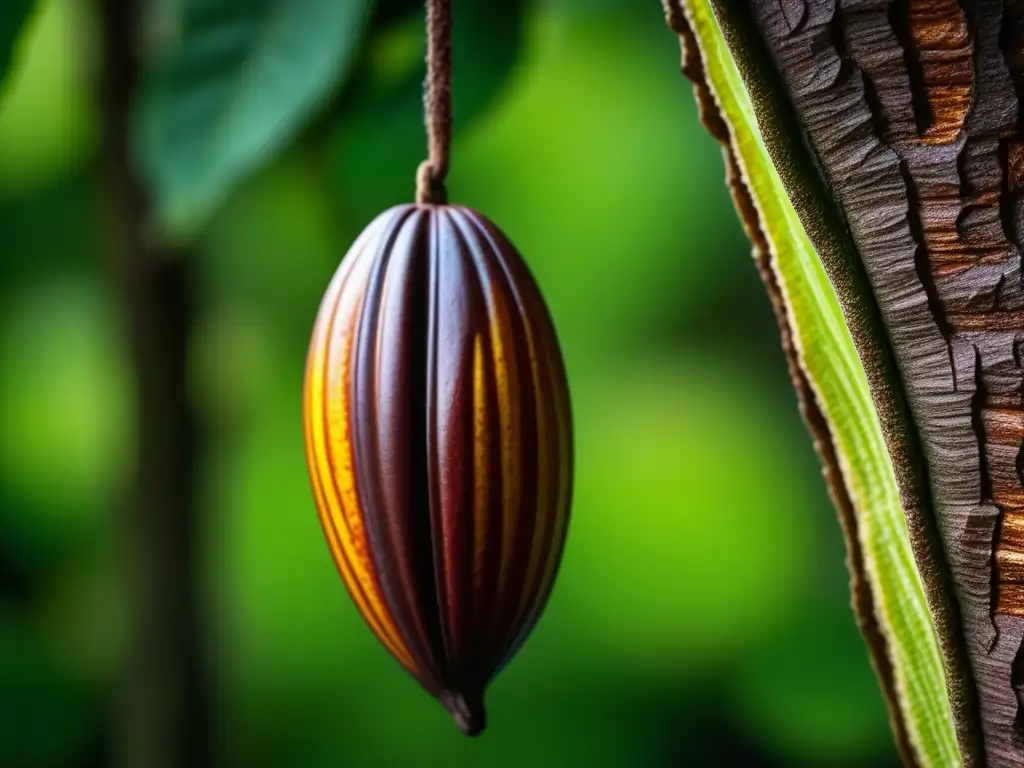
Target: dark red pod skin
439,443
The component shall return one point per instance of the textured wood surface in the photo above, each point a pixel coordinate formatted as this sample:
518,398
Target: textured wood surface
911,109
825,226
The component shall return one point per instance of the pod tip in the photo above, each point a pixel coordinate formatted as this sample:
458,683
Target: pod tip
467,710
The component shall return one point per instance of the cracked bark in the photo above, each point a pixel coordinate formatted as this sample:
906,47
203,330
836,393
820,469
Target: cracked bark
910,111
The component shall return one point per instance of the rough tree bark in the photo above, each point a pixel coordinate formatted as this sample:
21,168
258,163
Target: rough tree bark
162,718
911,110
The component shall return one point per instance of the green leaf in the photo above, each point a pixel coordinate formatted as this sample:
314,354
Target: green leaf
12,17
828,358
242,79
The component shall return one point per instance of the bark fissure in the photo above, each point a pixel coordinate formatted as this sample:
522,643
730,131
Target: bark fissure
923,266
899,20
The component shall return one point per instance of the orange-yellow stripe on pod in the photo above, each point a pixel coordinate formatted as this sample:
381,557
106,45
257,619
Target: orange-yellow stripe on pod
339,437
313,414
327,513
481,472
505,371
339,558
543,503
332,440
564,463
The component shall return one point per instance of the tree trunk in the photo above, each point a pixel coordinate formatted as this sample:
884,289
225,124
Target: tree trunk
910,111
162,709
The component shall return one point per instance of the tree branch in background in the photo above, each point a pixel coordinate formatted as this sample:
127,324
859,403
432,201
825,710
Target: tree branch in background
162,710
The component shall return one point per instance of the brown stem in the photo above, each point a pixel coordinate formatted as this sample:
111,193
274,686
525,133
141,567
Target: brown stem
437,104
162,717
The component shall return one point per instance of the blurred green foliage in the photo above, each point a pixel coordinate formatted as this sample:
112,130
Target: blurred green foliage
12,18
702,613
231,83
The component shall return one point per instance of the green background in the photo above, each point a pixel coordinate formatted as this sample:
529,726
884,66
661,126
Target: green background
702,613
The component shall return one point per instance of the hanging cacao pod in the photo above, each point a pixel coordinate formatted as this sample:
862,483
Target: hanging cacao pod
439,444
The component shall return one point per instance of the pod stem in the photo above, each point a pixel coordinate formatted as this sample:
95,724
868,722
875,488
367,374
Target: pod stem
437,104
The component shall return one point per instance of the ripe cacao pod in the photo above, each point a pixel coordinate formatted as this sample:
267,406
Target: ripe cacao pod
439,445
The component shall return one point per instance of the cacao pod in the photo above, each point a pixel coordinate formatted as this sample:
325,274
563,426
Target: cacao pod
439,444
